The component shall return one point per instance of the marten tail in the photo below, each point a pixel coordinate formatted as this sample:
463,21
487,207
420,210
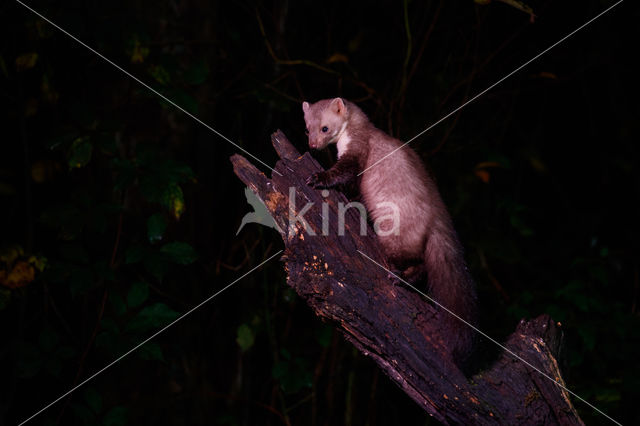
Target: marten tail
451,285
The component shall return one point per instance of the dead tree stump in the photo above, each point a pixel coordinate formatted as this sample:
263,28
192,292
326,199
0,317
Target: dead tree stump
393,324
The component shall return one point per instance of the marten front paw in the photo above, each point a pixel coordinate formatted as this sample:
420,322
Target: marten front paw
318,180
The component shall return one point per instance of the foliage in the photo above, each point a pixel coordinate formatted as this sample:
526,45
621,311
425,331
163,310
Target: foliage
119,212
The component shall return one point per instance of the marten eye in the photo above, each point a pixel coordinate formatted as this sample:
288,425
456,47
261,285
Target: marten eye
306,132
325,129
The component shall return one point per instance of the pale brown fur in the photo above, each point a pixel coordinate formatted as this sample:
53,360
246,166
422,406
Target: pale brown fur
426,241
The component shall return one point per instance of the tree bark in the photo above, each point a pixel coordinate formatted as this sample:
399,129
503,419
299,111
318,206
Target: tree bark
392,324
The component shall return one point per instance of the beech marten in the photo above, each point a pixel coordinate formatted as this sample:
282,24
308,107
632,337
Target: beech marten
424,242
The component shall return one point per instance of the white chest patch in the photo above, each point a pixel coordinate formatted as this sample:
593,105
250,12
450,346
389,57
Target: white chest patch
343,143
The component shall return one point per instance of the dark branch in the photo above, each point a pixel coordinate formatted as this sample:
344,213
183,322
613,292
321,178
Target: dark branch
394,325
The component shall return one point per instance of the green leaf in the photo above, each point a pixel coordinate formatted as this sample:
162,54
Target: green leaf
93,399
84,415
80,153
245,337
175,172
150,188
151,318
180,253
160,74
608,395
151,351
117,303
108,340
588,338
293,375
164,169
105,141
518,5
26,61
185,100
198,73
156,264
134,254
60,141
173,199
138,293
156,225
5,298
285,354
117,416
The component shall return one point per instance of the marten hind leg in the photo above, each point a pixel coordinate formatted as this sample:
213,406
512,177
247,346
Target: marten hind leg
415,273
396,267
410,271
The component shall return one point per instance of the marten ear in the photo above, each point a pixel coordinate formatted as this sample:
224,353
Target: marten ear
305,106
337,106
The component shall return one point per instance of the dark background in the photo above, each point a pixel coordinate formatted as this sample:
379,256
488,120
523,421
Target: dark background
119,212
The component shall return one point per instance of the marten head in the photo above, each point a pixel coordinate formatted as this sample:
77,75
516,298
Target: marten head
325,120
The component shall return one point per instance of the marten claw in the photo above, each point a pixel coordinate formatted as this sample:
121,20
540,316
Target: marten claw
317,180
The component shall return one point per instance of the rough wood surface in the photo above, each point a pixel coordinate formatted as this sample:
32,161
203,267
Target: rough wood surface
393,324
